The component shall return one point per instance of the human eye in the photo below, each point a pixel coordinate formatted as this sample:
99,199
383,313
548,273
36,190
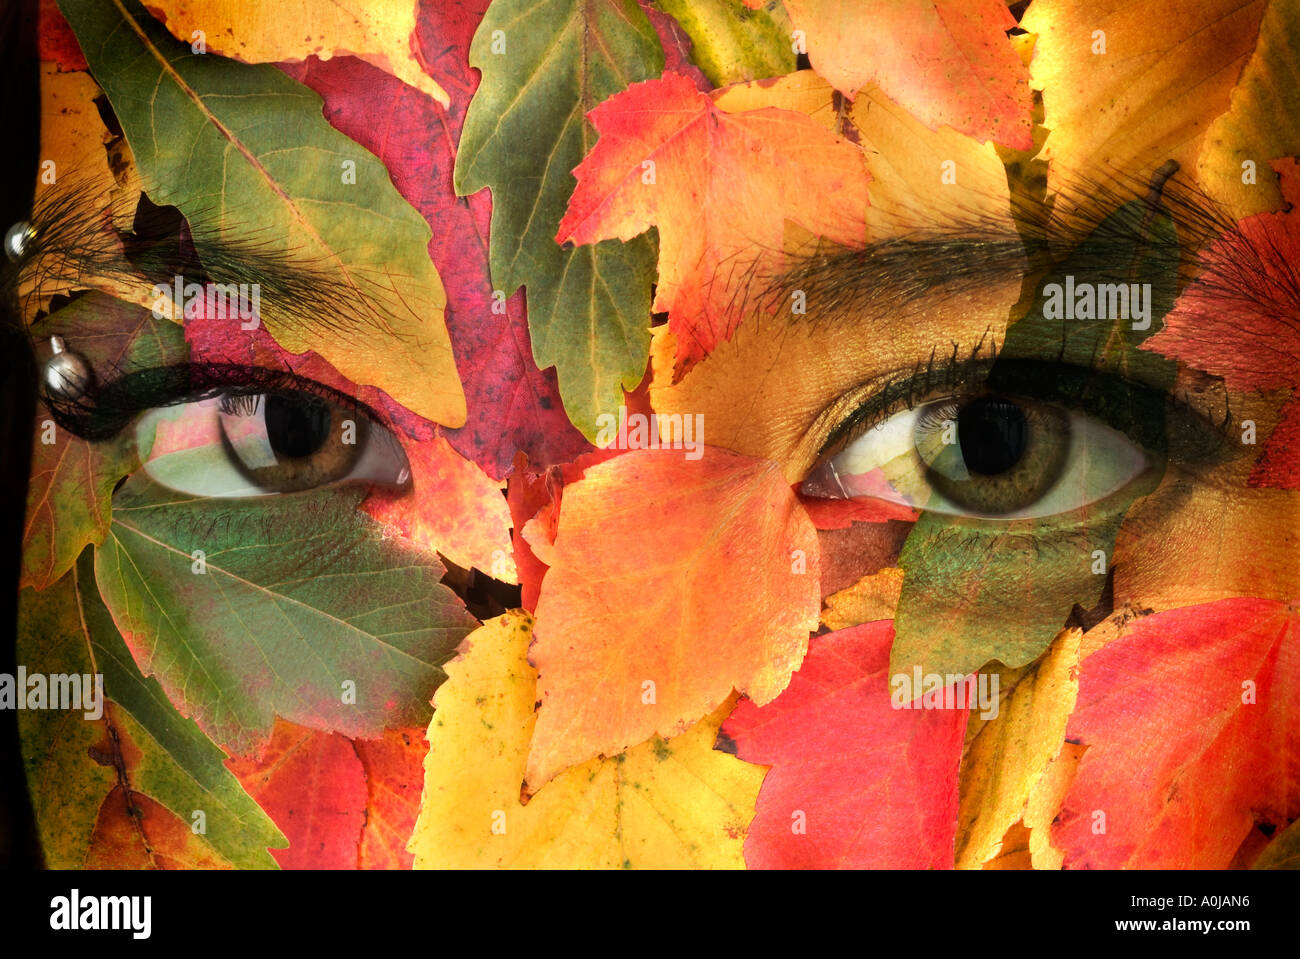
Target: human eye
1003,447
239,444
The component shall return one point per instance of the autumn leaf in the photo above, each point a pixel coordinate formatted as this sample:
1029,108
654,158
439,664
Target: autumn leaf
56,42
1260,123
83,774
221,155
343,804
947,62
716,186
545,65
71,479
919,176
732,42
377,31
1188,720
294,606
1240,319
854,783
628,650
1010,752
677,46
1283,852
675,803
512,405
1116,91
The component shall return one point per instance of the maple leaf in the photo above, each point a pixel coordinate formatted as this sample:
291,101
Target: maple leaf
947,62
661,804
525,131
719,195
377,31
121,789
1240,319
343,804
286,180
71,479
1130,108
731,43
630,650
298,596
676,43
854,783
1188,720
511,404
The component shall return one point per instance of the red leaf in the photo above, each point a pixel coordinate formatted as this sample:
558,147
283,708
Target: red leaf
876,786
720,195
1179,768
512,405
314,788
1241,320
55,39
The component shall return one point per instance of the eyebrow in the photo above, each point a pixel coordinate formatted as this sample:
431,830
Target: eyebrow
887,275
73,244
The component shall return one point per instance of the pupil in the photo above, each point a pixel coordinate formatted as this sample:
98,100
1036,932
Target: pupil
992,434
296,426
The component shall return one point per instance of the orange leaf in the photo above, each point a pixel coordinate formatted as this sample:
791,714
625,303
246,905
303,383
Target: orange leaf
718,187
947,61
666,571
1189,722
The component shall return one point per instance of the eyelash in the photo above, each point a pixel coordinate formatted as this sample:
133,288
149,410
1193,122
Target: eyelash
106,410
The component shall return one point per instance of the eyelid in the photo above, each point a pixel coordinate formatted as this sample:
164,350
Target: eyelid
109,408
1189,434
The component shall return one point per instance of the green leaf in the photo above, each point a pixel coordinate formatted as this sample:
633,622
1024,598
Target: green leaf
588,308
66,629
298,607
732,43
246,155
1283,852
975,592
72,480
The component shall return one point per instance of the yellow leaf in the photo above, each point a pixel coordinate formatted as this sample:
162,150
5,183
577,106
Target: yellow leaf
661,804
1123,93
81,155
1010,752
1262,123
271,31
873,597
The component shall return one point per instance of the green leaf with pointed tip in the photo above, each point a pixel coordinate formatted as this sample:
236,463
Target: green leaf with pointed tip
545,65
732,43
66,629
247,156
299,607
975,591
72,480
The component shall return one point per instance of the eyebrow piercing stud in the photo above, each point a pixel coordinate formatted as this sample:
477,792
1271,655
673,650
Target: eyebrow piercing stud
18,238
67,374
